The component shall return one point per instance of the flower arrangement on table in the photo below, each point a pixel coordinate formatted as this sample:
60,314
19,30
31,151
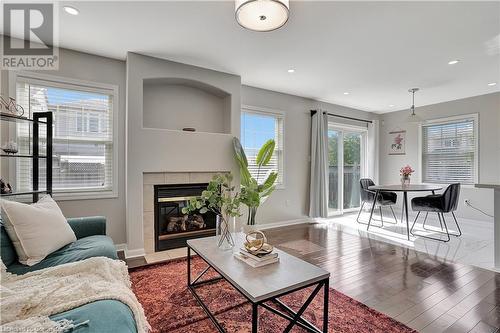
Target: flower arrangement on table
405,173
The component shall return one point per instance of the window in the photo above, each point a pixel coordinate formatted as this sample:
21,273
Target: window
450,151
256,128
83,135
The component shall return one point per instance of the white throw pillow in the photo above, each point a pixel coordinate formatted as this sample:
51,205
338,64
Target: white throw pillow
36,230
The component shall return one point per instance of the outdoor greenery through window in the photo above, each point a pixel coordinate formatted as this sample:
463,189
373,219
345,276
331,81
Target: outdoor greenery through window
256,129
345,166
82,135
449,152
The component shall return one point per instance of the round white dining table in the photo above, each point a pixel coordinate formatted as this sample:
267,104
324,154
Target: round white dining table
405,189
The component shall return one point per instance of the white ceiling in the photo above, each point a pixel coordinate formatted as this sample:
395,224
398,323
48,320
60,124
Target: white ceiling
373,50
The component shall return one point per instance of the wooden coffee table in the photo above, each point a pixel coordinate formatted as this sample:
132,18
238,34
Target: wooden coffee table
261,286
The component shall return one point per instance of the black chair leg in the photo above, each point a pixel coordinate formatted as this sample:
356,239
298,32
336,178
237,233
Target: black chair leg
381,216
458,227
360,210
429,237
360,222
393,214
414,221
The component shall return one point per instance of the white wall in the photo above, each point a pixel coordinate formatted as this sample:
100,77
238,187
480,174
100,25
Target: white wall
292,202
87,67
488,108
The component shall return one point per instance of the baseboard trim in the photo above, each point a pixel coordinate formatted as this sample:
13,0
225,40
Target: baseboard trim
283,223
134,253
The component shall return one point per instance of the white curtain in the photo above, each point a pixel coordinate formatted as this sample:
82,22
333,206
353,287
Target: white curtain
318,197
373,151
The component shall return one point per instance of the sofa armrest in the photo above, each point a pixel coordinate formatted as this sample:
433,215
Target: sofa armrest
88,226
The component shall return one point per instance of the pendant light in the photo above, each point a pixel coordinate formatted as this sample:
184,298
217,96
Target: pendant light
262,15
413,117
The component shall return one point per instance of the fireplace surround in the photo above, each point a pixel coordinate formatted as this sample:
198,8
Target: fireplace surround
172,227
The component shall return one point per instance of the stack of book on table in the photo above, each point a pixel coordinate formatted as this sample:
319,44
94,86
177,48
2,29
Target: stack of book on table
257,260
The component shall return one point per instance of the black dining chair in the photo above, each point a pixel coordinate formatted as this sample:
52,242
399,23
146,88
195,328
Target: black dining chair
384,199
447,202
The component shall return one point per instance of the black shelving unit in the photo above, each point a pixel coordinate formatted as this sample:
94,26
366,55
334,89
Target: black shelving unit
39,118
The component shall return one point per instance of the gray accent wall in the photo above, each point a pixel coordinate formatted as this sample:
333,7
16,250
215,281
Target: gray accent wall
488,108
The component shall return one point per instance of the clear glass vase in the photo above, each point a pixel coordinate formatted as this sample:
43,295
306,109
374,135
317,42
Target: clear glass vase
405,180
224,231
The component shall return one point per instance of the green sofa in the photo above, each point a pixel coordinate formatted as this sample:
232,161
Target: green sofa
104,316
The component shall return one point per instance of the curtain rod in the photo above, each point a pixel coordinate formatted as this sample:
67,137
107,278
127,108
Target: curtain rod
313,112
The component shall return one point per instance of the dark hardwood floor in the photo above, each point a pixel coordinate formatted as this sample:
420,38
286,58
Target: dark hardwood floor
422,291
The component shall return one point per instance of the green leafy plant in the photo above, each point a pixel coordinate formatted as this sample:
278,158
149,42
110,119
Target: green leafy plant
221,199
253,194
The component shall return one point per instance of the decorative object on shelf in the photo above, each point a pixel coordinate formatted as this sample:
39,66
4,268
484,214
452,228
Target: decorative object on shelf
398,143
254,194
405,173
5,188
10,147
413,117
221,199
8,105
262,15
189,129
257,245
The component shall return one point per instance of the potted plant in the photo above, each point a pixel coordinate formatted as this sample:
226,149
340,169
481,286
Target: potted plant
221,199
253,194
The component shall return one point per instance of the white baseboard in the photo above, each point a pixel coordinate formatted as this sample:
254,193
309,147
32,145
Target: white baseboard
134,253
283,223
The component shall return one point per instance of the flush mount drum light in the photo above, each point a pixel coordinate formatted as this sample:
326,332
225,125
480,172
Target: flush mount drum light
262,15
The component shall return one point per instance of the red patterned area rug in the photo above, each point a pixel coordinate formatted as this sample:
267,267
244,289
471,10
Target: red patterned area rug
170,306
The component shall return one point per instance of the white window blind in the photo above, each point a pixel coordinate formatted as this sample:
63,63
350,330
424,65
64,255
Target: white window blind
449,152
82,135
256,129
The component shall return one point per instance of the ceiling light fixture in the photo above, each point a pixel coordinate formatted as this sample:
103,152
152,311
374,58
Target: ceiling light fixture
453,62
71,10
492,84
262,15
346,93
391,105
291,70
413,118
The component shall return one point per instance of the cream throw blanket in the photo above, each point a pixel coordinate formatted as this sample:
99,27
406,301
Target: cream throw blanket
28,300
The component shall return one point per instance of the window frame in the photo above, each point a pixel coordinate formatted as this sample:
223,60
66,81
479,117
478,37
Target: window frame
87,86
276,113
449,120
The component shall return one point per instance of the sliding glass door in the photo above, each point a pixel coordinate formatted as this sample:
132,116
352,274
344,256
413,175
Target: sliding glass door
347,165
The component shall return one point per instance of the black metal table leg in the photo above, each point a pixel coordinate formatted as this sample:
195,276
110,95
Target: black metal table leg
255,317
405,195
373,208
189,265
325,305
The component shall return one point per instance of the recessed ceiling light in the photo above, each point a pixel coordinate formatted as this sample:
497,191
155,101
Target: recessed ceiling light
71,10
391,105
453,62
346,93
492,84
291,70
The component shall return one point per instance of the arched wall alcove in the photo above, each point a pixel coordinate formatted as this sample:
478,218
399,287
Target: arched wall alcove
177,103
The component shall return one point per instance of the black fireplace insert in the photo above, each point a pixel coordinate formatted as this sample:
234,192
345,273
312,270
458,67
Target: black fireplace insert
172,227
